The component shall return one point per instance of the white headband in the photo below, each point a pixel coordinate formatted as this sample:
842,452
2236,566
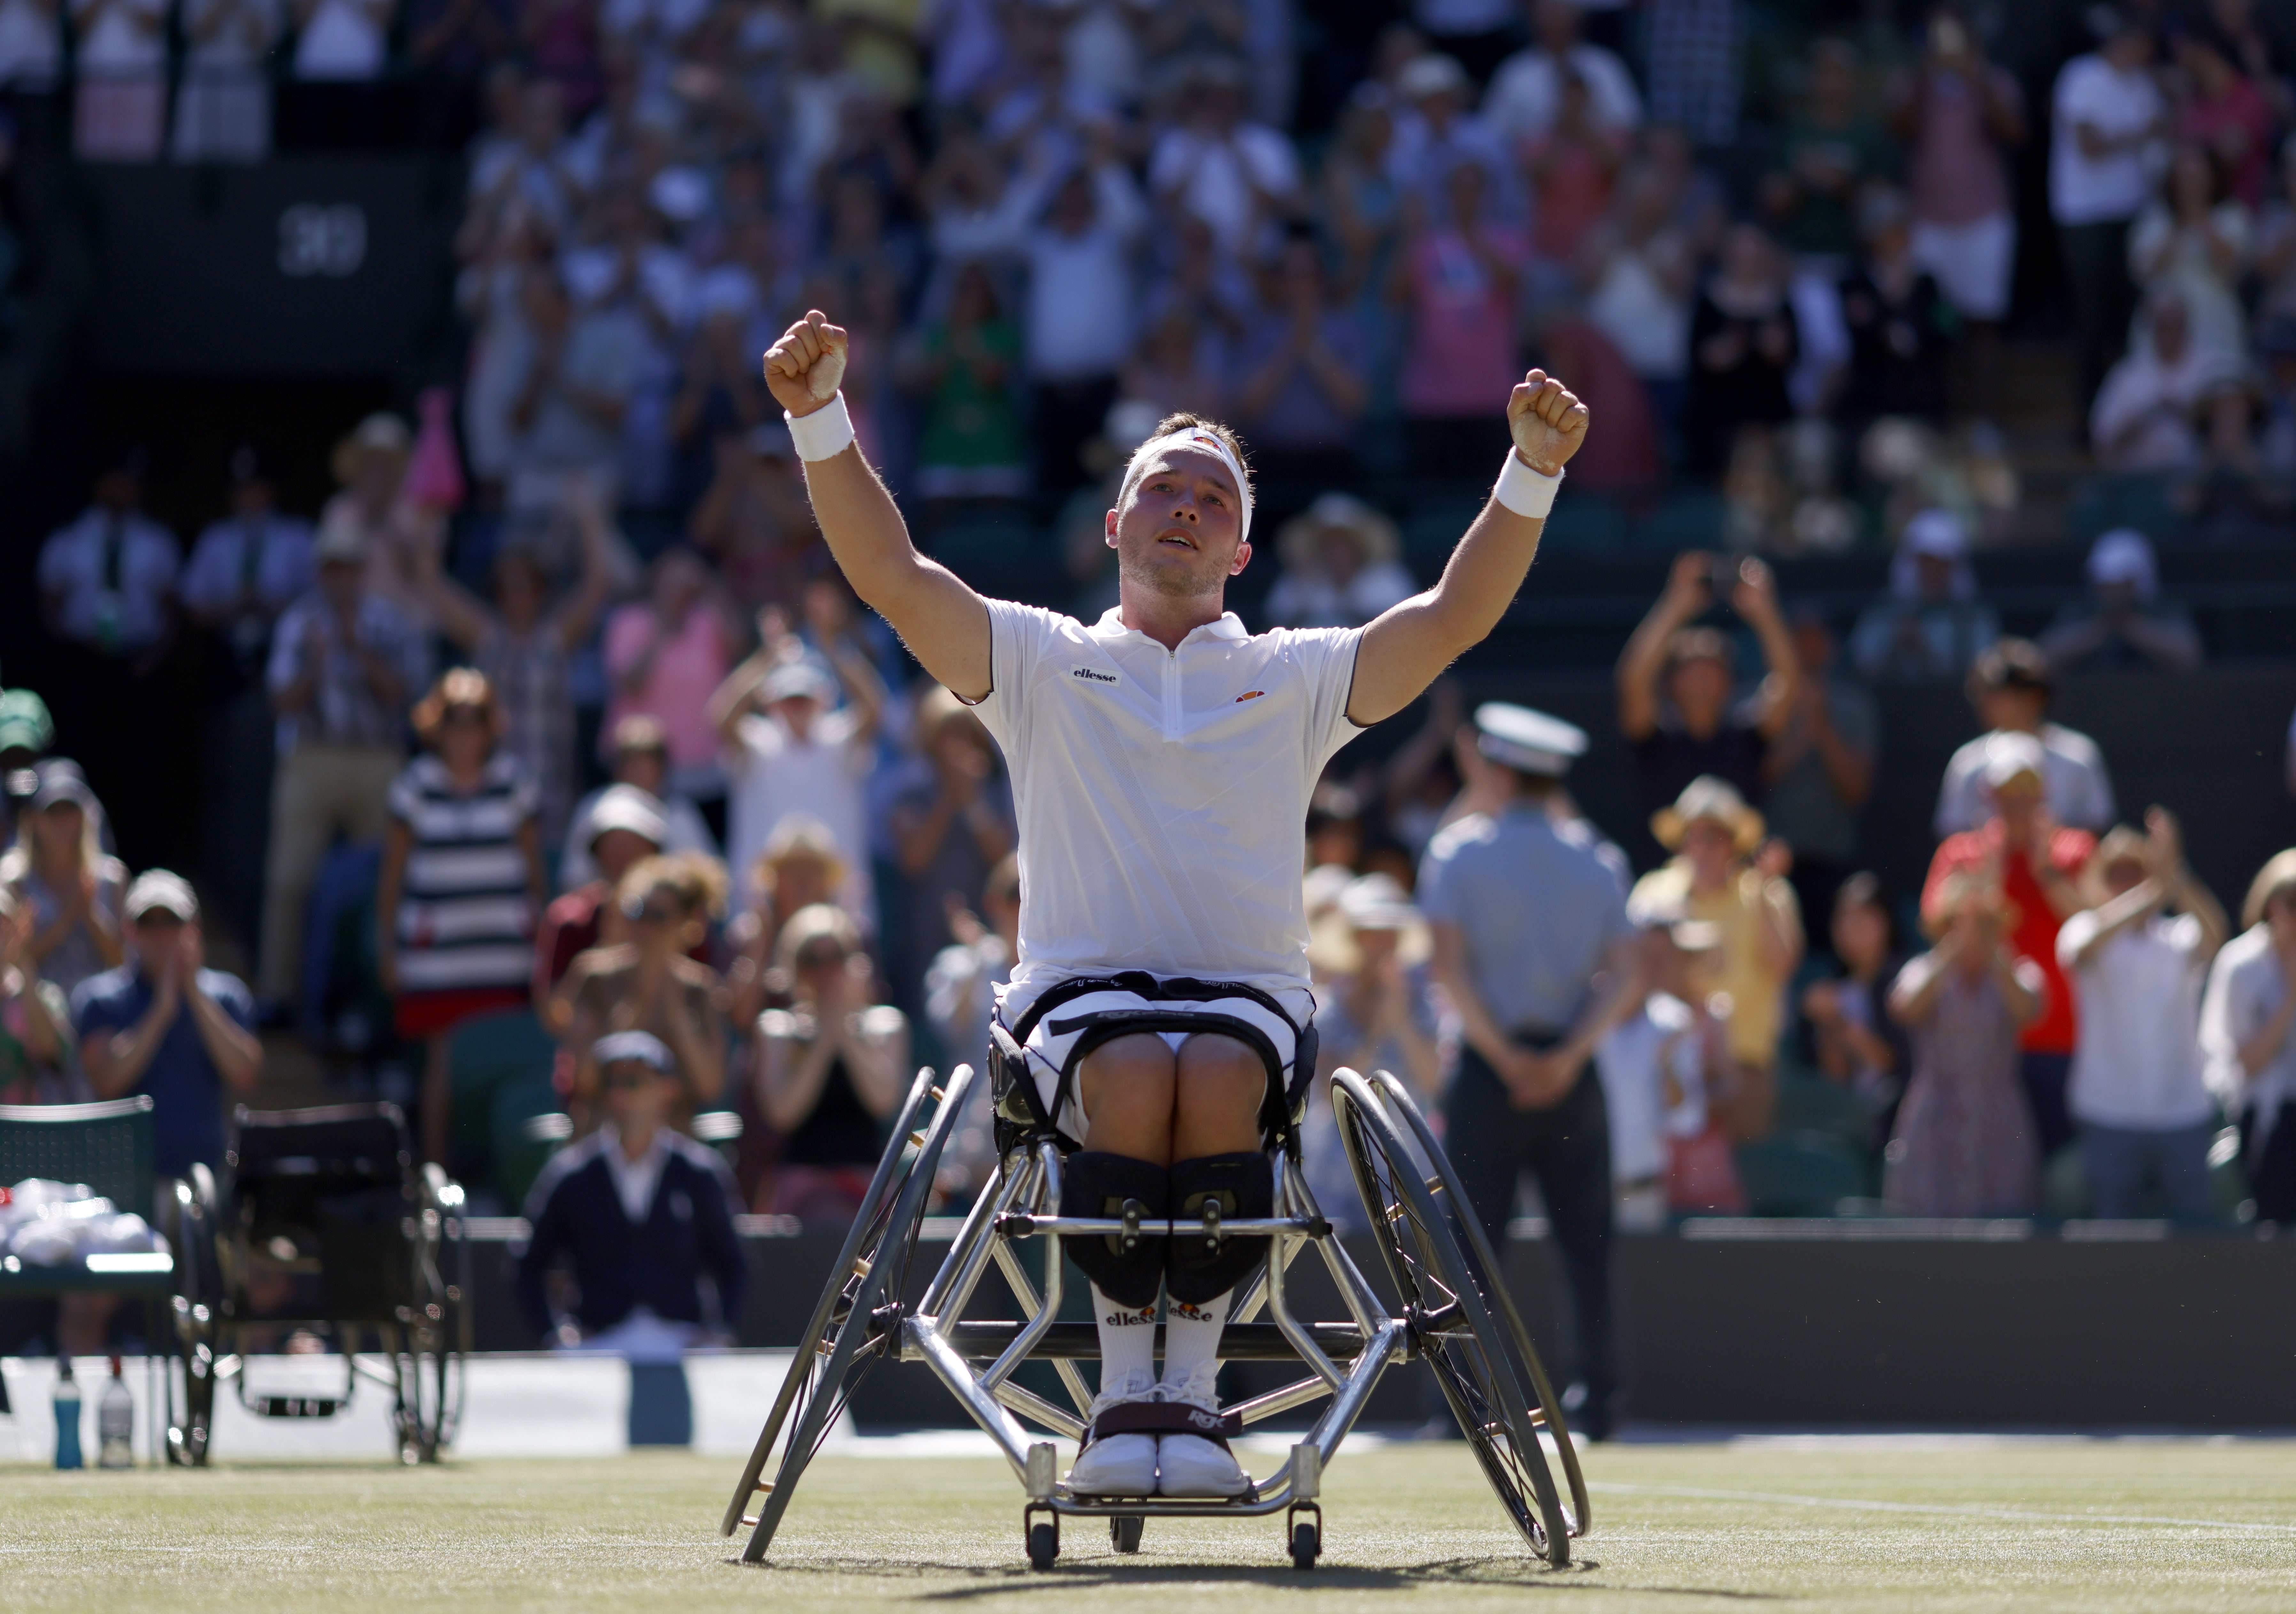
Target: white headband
1201,442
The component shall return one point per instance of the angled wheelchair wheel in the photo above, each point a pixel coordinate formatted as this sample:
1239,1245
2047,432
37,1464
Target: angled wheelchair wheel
433,1334
196,1312
856,1321
1450,1321
1546,1408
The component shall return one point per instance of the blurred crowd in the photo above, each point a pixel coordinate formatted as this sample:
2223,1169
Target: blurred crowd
558,724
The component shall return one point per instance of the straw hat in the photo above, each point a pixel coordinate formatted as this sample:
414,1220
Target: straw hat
1372,902
1708,797
379,433
1301,540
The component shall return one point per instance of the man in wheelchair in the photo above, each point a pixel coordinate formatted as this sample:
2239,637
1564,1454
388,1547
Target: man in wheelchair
1162,760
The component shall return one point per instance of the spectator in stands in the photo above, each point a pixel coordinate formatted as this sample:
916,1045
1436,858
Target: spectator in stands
645,1216
1376,1009
1819,770
1668,1151
524,643
2011,686
1674,681
641,761
2138,1095
2195,242
1724,873
1181,363
1360,212
948,829
791,747
1080,309
1302,375
2171,403
223,105
1901,329
959,989
2124,623
1966,1142
107,588
26,731
1933,625
1537,983
375,513
1961,118
626,825
31,45
1744,339
2106,114
798,867
2276,246
2023,852
664,656
1457,279
344,664
1638,267
342,39
1437,129
39,1057
2225,112
1573,169
648,981
752,521
2247,1020
120,59
1525,99
1340,568
247,569
831,1069
1834,149
67,888
972,446
582,367
1855,1042
462,883
164,1024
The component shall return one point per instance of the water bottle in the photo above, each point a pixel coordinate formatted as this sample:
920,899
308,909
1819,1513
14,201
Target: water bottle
67,1416
115,1423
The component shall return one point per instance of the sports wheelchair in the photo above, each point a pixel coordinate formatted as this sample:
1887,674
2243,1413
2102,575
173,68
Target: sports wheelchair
1453,1315
322,1225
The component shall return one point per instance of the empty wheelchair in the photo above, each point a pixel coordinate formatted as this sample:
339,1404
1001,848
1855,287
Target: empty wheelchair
1452,1315
323,1256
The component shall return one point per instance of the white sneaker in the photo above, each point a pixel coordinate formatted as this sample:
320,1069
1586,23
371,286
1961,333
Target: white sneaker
1121,1465
1190,1465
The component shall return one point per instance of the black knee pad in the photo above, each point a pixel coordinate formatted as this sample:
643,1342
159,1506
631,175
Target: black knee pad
1096,1183
1244,1187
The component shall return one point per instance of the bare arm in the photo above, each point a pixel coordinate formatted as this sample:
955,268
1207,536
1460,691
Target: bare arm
461,613
116,1062
1914,994
1403,651
579,614
2132,907
943,622
1687,595
238,1055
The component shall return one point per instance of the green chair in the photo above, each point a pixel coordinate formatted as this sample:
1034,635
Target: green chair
500,1068
1801,1174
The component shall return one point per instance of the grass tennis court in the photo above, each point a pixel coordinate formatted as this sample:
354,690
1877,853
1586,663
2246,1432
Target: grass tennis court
1886,1524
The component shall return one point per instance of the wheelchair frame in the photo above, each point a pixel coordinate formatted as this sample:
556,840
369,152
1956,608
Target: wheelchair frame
423,1342
1454,1316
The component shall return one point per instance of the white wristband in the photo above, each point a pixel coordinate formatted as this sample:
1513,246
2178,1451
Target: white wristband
823,434
1521,489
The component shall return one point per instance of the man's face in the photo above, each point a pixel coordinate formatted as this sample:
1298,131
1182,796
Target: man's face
1710,848
1180,533
797,714
617,851
647,769
2016,800
2011,707
338,580
155,938
638,1097
1699,686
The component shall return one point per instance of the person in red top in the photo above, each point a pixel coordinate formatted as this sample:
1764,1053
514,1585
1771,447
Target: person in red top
626,827
2034,859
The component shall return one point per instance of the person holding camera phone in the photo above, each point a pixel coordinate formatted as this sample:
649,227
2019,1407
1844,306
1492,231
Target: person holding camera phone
1676,680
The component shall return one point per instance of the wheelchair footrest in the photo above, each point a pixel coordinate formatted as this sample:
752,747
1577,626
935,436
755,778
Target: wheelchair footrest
293,1406
1080,1341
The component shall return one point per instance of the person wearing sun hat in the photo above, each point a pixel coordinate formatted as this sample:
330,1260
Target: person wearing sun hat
1726,872
1340,565
1534,951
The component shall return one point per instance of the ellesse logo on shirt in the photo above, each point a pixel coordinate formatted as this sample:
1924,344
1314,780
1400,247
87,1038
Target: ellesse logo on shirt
1093,675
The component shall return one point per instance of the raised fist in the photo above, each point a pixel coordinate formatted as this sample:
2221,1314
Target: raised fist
1548,423
804,367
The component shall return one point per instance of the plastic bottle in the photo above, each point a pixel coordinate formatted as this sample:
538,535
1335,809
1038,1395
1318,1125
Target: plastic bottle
115,1423
67,1415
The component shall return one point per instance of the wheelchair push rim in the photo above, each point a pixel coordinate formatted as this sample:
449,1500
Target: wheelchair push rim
855,1323
1450,1321
1485,1263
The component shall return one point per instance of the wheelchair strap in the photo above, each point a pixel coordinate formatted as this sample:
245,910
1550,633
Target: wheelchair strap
1165,1418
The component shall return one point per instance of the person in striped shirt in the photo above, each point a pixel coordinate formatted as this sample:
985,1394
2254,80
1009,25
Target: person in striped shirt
461,881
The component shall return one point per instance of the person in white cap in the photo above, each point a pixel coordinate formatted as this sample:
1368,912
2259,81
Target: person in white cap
2011,686
1534,951
2123,625
1933,624
1162,761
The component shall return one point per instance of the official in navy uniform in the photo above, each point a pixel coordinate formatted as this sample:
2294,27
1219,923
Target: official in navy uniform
1533,945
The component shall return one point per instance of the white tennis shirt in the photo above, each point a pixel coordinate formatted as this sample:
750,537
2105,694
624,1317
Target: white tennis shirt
1163,793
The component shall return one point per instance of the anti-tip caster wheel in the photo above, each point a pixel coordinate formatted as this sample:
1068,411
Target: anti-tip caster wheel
1124,1531
1307,1544
1044,1544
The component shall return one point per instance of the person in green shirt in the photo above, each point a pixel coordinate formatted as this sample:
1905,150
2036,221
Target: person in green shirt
972,447
1833,152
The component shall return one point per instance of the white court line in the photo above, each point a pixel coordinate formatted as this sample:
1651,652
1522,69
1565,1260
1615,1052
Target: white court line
1958,1510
